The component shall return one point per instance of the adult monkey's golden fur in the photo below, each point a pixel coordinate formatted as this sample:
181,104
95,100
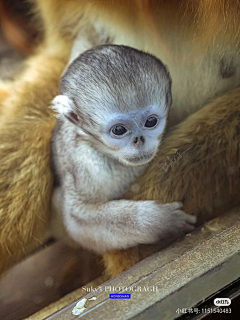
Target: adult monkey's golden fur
199,41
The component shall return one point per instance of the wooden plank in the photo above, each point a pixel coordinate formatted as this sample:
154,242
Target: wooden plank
181,276
45,277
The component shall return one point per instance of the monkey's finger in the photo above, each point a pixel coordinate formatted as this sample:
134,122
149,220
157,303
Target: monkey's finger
186,217
189,228
174,205
191,219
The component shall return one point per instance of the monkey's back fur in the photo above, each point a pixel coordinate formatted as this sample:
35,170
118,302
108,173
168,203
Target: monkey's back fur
206,178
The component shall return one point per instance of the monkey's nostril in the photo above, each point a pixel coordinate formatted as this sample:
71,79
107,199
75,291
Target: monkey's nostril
135,140
138,142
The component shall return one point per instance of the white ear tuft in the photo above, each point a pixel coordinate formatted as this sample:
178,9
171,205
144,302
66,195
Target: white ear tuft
62,104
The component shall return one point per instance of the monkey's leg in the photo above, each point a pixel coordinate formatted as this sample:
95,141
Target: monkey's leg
26,125
198,164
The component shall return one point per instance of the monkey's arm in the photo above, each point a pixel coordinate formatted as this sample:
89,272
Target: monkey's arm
118,224
206,178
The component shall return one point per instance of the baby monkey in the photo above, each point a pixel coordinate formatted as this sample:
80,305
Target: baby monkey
113,107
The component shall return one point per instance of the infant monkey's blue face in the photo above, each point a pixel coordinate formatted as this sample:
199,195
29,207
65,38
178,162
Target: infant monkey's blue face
118,98
133,137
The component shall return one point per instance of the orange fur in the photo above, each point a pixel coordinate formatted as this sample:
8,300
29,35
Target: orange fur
26,126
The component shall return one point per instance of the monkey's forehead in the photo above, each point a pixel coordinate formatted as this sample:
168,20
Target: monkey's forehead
130,102
136,114
115,80
123,91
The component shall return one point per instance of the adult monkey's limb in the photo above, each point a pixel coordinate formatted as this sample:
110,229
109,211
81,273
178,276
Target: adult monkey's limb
26,125
206,177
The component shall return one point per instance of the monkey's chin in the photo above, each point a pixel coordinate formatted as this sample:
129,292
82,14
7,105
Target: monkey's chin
139,160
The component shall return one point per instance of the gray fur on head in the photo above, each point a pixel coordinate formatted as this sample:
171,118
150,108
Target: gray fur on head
119,77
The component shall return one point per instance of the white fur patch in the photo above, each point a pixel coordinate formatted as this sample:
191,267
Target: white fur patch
62,104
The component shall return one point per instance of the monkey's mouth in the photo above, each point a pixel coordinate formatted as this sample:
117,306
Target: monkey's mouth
140,159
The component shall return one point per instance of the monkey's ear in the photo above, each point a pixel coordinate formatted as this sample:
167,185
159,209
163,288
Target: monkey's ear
65,107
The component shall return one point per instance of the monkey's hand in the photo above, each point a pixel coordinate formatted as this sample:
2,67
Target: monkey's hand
162,222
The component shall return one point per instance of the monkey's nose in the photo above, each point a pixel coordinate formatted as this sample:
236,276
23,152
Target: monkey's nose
138,142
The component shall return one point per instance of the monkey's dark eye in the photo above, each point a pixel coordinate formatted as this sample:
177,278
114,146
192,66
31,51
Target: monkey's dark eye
151,122
118,130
